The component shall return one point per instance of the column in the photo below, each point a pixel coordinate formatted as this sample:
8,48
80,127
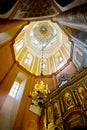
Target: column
75,18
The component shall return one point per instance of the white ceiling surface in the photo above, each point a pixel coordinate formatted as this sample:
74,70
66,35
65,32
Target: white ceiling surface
47,52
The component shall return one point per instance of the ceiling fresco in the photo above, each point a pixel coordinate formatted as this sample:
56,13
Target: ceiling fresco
20,9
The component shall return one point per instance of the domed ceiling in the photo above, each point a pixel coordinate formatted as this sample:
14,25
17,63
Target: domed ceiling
42,39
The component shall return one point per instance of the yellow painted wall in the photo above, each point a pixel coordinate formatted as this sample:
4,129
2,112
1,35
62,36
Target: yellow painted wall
6,84
26,120
24,115
6,60
20,56
6,25
66,53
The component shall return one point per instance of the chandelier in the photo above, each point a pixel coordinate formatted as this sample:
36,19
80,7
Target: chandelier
40,91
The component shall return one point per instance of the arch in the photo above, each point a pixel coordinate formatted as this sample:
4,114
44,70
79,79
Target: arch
72,113
74,119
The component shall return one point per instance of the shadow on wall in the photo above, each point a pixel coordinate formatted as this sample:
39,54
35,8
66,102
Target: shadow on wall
79,128
6,5
63,2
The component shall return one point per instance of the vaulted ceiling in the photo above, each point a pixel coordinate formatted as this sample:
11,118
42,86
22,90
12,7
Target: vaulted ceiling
42,37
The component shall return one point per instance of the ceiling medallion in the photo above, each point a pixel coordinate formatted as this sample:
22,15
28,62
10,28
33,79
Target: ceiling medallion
44,31
44,35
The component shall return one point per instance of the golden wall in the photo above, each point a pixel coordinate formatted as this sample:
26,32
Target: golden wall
66,107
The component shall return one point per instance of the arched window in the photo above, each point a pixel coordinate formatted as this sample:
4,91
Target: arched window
28,59
18,45
14,89
10,107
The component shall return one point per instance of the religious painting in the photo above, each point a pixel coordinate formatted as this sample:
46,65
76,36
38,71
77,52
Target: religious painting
56,110
79,50
83,94
40,8
78,34
79,55
59,127
43,120
68,100
73,121
49,114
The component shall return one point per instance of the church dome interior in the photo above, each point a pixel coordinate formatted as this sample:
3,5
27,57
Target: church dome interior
43,68
45,35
